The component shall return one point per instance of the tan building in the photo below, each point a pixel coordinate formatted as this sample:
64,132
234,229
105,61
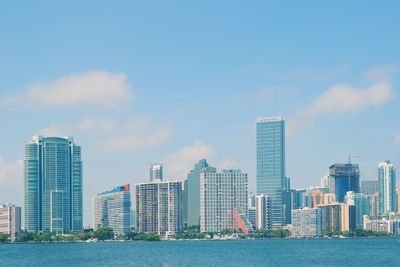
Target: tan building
10,220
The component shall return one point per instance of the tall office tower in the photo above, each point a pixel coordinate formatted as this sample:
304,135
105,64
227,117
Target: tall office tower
387,187
53,185
263,209
298,198
221,194
10,220
348,217
159,207
307,222
156,171
369,187
287,201
192,191
331,218
362,205
271,164
343,178
113,209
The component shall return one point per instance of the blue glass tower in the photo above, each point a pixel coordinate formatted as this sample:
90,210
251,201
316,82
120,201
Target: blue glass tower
271,164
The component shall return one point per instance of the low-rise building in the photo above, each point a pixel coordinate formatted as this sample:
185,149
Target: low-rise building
307,222
10,220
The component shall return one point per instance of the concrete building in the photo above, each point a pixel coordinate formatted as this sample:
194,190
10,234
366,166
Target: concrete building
348,217
369,187
271,165
252,216
387,188
307,222
10,220
159,207
53,185
298,198
331,218
362,205
192,191
263,212
113,209
220,195
391,226
343,178
156,171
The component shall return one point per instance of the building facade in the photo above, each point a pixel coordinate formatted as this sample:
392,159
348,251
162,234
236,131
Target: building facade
307,222
362,205
156,171
343,178
192,191
331,218
387,188
10,220
113,209
263,212
53,185
220,194
369,187
271,164
159,207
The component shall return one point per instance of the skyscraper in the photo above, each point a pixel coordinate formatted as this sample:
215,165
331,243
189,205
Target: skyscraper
369,187
343,178
10,220
362,205
271,164
222,195
192,191
156,171
113,209
387,187
53,185
263,212
159,207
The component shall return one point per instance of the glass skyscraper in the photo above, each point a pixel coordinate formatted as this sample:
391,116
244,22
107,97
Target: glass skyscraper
271,164
387,187
343,178
52,185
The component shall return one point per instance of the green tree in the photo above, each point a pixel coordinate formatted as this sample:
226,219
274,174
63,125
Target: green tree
3,238
104,234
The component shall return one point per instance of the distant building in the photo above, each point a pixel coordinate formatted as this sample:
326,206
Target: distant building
156,171
113,209
391,226
398,198
348,217
343,178
221,194
298,198
251,200
387,188
271,165
307,222
10,220
192,191
287,201
374,205
369,187
263,212
331,218
53,185
252,216
362,205
159,207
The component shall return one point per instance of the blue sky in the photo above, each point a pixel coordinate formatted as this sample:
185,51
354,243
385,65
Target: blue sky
173,82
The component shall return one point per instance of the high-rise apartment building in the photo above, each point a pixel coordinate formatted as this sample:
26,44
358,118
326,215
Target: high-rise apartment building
348,217
221,195
298,198
159,207
343,178
113,209
387,188
271,164
192,191
331,218
369,187
307,222
156,171
53,185
10,220
263,212
362,205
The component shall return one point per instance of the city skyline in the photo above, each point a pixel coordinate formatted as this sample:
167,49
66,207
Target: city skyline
154,92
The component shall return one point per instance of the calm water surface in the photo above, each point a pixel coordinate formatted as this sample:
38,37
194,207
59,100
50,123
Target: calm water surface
345,252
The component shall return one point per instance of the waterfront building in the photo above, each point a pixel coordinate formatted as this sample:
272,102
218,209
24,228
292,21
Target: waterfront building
159,207
307,222
271,164
252,216
391,226
348,217
369,187
221,194
387,188
156,171
362,205
343,178
10,220
263,210
374,205
331,218
113,209
53,185
298,198
192,191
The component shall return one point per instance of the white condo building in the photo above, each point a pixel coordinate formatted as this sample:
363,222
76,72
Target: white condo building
263,211
10,220
307,222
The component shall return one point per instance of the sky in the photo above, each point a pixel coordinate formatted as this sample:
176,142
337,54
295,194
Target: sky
139,82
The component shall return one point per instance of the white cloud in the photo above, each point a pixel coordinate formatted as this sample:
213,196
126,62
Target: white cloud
11,181
95,88
181,162
341,98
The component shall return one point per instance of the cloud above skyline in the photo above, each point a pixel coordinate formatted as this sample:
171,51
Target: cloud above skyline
95,88
11,180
